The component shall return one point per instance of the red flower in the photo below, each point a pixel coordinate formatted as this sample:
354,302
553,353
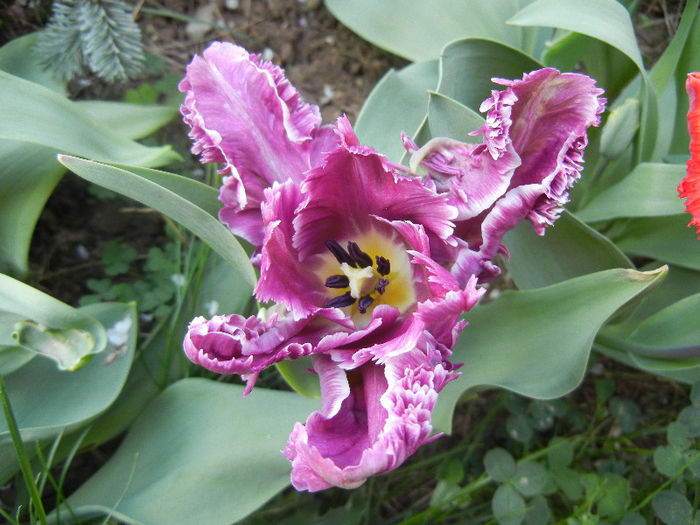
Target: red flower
689,188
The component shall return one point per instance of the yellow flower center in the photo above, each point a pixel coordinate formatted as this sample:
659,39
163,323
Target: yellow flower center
372,269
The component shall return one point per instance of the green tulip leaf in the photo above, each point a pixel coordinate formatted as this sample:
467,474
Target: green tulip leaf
397,103
198,441
666,239
418,30
173,200
17,57
29,174
133,121
71,348
650,190
450,118
537,342
675,325
47,401
606,20
49,327
467,67
296,373
40,116
568,249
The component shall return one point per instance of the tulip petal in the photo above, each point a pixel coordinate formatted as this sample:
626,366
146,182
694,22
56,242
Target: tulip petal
689,187
246,115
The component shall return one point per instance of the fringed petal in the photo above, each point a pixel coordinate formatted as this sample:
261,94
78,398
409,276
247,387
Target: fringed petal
283,278
232,344
246,115
384,417
355,182
550,117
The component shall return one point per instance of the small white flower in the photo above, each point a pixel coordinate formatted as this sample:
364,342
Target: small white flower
212,307
118,334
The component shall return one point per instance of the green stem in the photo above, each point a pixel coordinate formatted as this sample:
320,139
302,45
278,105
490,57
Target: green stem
21,454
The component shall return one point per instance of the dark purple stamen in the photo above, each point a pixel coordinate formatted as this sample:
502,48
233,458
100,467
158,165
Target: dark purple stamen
358,255
339,253
364,303
338,281
383,265
342,300
381,285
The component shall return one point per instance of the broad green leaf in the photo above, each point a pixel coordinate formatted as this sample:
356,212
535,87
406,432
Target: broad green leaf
133,121
449,118
568,249
611,68
467,67
70,347
650,190
48,326
12,357
28,176
666,239
17,57
198,454
664,343
196,192
418,30
47,401
134,185
296,374
675,325
605,20
536,342
40,116
220,291
397,103
679,284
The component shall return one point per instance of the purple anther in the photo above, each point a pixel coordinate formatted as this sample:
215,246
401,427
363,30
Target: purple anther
342,300
383,265
338,281
364,303
360,257
339,253
381,285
